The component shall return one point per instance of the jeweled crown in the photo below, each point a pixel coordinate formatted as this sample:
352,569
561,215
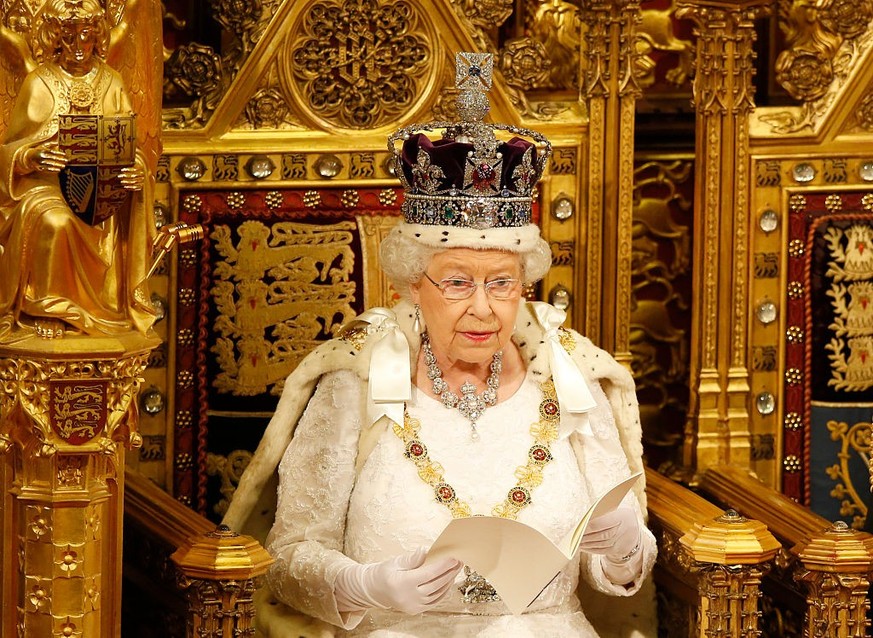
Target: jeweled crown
470,177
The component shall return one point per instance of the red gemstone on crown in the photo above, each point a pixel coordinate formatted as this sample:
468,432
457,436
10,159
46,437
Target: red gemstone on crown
482,177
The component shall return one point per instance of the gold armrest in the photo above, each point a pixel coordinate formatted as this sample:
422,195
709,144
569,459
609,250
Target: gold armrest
218,569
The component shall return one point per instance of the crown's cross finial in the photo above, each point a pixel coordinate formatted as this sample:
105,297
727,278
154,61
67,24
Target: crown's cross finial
473,76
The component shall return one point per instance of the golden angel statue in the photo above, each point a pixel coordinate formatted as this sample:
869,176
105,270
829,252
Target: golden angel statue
76,223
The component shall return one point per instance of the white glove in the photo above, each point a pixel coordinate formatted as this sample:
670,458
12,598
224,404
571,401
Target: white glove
615,535
403,583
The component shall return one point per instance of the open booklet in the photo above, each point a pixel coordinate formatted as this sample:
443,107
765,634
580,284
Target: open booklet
516,559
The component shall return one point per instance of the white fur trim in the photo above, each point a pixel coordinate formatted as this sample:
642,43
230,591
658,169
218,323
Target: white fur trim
516,239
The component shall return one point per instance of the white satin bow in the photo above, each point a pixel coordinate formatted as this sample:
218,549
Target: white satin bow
390,374
570,385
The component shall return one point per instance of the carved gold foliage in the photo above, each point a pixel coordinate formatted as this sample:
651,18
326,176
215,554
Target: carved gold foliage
824,41
835,600
731,593
246,21
674,554
276,290
220,607
854,440
229,469
814,34
486,13
358,63
864,113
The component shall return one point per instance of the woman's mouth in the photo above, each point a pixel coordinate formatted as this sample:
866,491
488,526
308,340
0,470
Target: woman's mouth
478,336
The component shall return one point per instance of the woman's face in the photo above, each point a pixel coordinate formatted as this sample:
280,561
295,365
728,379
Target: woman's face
468,330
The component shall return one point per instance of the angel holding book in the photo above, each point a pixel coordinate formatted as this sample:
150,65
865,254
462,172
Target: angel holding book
63,270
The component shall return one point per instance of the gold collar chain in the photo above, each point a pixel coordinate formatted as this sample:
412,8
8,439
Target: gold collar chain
530,475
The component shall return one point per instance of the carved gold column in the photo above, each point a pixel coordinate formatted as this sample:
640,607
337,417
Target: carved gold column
718,430
837,564
612,91
220,572
730,555
67,414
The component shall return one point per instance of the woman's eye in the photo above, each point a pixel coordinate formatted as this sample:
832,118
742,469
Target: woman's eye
457,283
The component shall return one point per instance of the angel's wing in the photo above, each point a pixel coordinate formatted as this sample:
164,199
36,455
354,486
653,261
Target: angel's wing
16,59
137,54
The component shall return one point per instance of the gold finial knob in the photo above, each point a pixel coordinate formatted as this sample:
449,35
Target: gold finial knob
732,516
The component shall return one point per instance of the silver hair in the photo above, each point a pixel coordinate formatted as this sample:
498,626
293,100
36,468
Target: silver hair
404,260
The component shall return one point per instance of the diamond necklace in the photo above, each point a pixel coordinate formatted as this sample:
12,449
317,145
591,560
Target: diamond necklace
470,404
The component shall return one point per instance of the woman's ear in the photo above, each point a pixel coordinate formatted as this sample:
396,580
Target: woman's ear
415,292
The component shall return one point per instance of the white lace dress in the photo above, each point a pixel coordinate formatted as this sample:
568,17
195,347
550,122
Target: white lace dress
327,516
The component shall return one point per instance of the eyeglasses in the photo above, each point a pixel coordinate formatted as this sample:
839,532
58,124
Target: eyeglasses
457,289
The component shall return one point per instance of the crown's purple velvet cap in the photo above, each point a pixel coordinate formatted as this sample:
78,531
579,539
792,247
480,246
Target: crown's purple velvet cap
451,157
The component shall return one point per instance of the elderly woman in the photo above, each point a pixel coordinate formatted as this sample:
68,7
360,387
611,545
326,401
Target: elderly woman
463,400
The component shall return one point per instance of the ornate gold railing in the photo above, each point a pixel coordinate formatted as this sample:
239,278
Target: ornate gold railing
831,562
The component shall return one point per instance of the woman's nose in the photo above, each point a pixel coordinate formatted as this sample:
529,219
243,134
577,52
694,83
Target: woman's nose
480,303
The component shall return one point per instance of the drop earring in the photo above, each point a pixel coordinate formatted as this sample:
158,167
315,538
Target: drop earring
416,322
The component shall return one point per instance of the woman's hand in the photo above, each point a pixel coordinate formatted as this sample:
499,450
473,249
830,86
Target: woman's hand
131,178
45,157
403,583
615,535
